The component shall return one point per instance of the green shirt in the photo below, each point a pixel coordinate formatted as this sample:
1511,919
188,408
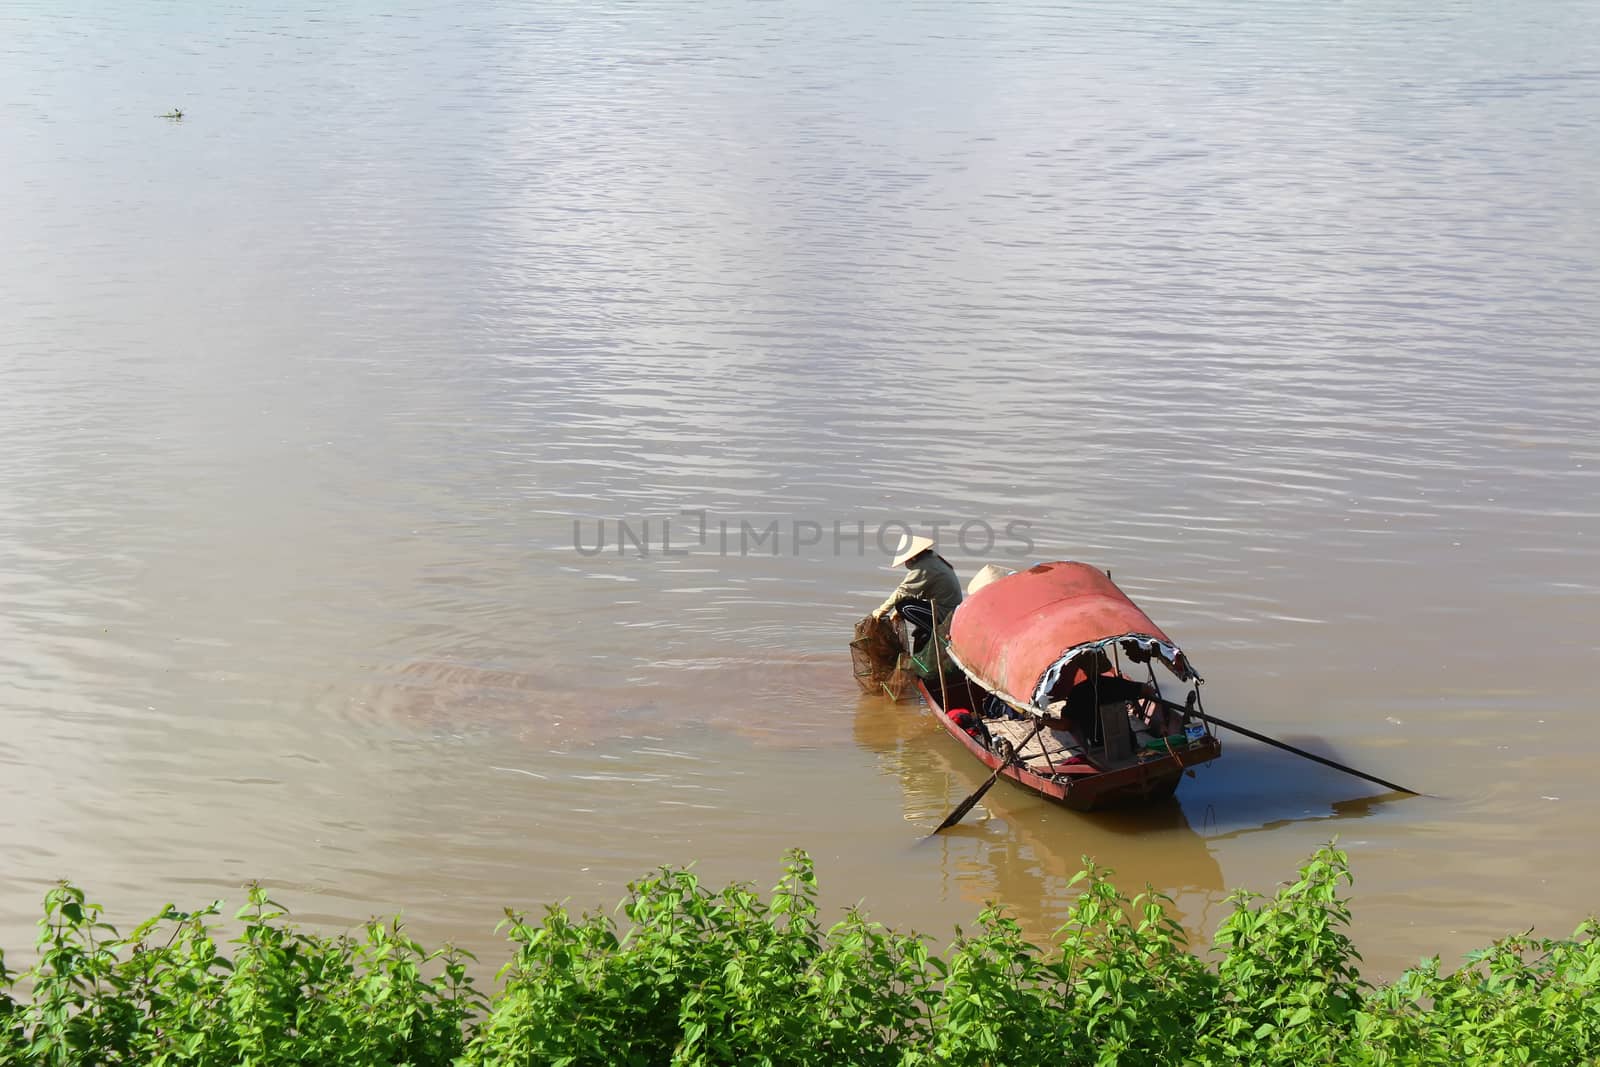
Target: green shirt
928,577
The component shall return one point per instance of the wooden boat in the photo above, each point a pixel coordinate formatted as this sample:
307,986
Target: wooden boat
1054,642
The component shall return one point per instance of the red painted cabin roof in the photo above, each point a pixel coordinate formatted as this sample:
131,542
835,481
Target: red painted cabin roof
1010,633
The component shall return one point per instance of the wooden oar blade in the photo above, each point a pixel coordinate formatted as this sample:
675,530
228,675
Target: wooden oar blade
967,805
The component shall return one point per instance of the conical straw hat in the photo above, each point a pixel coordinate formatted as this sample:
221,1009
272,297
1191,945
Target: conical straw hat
990,573
910,545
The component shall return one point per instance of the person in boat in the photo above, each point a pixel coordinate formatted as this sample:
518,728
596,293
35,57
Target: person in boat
929,592
1096,682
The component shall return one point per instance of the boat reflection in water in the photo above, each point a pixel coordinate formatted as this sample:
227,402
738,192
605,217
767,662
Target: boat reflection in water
1021,850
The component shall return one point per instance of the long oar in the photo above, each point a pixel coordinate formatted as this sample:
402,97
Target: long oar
966,805
1275,743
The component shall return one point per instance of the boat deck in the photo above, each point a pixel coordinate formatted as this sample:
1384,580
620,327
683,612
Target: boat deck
1054,751
1048,752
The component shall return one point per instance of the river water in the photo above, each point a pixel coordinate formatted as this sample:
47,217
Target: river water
316,403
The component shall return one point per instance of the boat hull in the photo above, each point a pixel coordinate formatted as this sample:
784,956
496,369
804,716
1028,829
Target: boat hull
1148,781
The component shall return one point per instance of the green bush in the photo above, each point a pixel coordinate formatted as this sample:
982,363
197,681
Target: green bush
693,976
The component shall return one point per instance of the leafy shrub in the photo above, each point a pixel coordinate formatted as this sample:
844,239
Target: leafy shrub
701,977
283,997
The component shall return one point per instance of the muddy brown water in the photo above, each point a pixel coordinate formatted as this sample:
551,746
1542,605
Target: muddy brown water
1284,314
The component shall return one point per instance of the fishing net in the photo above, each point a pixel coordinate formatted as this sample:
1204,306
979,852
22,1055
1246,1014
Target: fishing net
880,664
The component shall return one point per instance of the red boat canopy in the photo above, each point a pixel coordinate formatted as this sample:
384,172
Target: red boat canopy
1018,634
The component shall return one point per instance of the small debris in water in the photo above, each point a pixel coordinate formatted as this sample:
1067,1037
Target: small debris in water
519,770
